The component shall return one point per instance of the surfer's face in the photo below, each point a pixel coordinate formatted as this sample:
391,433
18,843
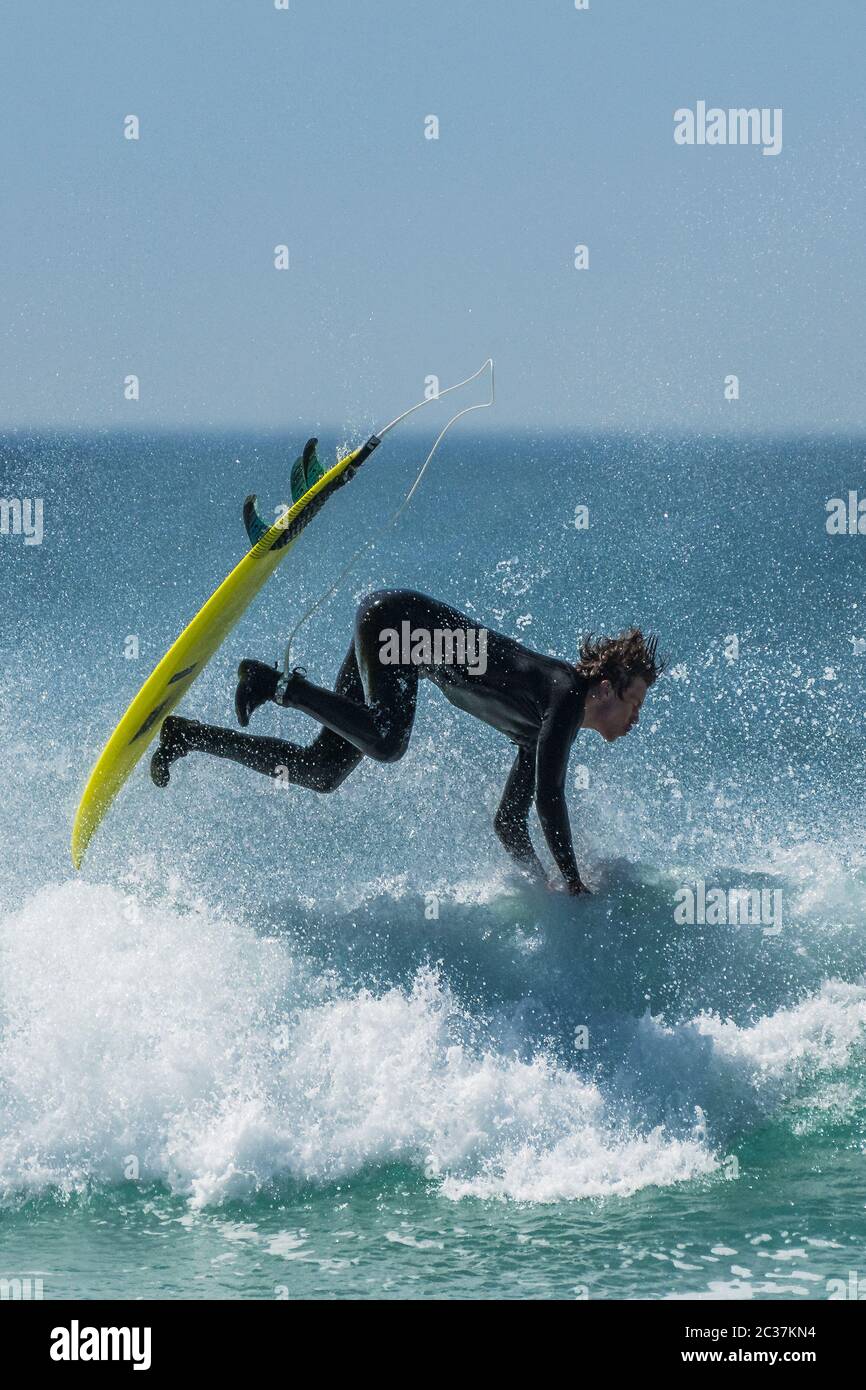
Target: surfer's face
616,715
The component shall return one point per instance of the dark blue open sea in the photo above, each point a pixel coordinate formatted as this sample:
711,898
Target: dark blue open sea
241,1055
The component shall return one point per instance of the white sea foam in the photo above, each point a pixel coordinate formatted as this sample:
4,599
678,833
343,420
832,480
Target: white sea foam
183,1047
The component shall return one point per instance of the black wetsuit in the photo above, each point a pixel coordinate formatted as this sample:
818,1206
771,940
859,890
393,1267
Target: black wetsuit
536,701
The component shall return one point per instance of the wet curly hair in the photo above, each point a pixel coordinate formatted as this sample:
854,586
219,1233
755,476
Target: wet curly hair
620,660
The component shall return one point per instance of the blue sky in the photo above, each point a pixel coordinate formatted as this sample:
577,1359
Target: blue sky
409,256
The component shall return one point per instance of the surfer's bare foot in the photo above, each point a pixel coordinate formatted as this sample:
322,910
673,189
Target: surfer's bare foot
257,683
172,744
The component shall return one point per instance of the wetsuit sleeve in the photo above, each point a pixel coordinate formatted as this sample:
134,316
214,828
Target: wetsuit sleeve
554,746
511,818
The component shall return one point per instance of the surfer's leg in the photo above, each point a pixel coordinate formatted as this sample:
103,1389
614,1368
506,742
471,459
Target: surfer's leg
380,727
322,766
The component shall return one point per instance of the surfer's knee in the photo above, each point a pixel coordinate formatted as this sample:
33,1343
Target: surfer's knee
373,605
333,778
383,608
393,731
390,748
377,597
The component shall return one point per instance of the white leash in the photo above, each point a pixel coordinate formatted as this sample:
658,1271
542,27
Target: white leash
368,544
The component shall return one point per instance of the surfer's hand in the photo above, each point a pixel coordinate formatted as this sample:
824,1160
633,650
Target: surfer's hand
570,886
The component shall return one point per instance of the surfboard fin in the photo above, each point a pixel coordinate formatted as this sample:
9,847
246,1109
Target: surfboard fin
255,524
306,470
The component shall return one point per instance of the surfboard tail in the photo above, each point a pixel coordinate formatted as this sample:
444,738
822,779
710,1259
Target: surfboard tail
185,660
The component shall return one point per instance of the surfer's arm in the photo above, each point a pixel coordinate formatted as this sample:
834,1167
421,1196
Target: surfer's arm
554,746
511,818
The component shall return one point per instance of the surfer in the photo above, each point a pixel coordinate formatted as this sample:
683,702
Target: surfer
538,702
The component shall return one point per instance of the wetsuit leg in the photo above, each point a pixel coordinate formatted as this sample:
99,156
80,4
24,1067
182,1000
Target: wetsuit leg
381,726
321,766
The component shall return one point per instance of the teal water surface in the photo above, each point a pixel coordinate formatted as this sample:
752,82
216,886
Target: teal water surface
274,1045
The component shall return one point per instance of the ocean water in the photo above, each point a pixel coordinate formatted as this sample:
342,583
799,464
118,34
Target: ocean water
270,1044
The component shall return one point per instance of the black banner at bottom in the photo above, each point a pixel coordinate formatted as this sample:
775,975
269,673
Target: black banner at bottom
232,1337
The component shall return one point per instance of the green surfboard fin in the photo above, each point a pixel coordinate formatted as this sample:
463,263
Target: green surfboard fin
306,471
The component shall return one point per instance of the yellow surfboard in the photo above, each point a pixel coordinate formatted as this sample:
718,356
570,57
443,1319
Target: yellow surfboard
187,658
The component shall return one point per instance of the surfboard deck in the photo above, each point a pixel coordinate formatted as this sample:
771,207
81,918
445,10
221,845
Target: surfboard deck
187,657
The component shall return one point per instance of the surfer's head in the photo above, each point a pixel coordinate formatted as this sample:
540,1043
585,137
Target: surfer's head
619,672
